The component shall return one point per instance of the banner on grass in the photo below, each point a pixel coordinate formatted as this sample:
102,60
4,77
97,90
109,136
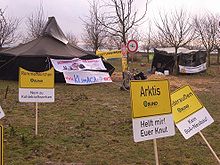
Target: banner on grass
192,69
77,64
86,77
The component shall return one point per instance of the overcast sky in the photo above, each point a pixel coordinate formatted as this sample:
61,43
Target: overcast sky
68,12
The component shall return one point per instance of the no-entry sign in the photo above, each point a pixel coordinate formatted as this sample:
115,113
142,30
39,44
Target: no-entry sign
132,46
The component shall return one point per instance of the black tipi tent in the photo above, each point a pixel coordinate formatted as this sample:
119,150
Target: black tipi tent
35,55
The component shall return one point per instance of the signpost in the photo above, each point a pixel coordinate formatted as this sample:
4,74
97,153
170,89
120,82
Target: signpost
151,111
190,116
36,87
124,58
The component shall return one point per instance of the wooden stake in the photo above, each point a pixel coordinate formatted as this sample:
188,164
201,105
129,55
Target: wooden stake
6,91
155,152
213,152
36,122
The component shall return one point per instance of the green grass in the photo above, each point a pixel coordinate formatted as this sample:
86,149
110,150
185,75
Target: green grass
92,125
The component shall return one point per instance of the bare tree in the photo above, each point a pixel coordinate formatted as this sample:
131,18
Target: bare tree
95,32
176,30
217,40
8,28
147,41
36,23
72,38
206,28
112,42
121,17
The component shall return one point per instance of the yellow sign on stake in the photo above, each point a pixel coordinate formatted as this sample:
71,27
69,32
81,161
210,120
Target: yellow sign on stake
150,98
184,103
28,79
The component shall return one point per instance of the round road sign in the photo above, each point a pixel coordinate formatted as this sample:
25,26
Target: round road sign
132,46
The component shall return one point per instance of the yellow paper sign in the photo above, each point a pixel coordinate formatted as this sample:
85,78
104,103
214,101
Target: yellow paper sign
124,64
109,54
150,98
1,147
28,79
184,103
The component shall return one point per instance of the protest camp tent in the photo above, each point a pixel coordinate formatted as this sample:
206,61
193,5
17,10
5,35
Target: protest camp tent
35,55
190,61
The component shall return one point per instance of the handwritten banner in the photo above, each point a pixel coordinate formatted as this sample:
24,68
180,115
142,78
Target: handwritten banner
77,64
86,77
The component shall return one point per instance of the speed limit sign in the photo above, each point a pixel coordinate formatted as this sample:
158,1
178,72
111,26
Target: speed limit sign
132,46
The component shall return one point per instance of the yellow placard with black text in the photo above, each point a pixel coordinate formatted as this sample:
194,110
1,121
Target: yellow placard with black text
150,98
109,54
184,103
124,64
28,79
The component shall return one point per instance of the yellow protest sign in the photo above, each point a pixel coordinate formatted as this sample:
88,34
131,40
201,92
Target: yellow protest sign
184,103
124,64
28,79
1,147
109,54
150,98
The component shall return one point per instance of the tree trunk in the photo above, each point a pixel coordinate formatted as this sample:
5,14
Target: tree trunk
148,58
208,58
218,55
176,65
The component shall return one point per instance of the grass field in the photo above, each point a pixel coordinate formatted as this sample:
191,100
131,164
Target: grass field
92,125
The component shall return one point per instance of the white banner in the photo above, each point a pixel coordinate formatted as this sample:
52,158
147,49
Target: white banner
36,95
194,123
147,128
86,77
191,69
77,64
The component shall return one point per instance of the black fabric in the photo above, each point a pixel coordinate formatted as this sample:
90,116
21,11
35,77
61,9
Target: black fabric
166,61
193,59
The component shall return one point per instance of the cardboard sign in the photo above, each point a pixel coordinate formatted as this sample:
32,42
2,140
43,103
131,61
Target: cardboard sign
36,86
151,110
150,98
2,114
36,95
28,79
189,114
184,102
147,128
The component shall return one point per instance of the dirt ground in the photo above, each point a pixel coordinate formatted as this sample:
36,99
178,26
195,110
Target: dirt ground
197,82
